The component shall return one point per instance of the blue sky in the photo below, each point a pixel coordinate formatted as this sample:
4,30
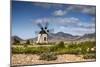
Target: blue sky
72,19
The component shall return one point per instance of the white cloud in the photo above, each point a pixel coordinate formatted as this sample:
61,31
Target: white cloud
41,20
59,13
88,25
69,25
75,30
59,21
67,22
90,10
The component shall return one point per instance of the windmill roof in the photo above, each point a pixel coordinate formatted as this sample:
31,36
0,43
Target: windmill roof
42,32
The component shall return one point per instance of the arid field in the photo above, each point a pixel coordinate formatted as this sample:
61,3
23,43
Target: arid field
27,59
53,53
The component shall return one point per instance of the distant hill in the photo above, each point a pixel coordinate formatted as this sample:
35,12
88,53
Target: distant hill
16,38
88,36
60,36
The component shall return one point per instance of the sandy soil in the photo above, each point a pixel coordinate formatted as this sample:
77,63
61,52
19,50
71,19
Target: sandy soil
27,59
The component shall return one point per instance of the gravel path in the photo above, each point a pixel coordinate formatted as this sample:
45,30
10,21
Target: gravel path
27,59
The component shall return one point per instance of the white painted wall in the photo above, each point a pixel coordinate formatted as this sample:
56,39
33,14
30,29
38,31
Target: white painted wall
41,37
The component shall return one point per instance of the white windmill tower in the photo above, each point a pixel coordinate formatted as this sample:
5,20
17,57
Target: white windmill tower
43,33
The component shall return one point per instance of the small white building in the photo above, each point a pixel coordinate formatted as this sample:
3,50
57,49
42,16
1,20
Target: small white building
42,37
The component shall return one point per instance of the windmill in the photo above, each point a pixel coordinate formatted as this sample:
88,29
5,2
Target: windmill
43,33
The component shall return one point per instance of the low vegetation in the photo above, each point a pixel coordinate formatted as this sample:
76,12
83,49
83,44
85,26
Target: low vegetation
48,56
87,49
89,56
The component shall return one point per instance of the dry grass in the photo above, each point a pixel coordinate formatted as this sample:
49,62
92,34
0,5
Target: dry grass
27,59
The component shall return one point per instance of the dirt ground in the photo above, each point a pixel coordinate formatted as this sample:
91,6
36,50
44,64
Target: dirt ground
27,59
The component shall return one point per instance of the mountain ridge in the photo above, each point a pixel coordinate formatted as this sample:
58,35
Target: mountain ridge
61,36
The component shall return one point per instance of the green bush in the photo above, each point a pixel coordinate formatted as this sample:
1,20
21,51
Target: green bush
81,48
71,51
42,43
26,50
29,50
89,56
61,44
54,48
60,48
18,50
48,56
16,42
25,45
43,49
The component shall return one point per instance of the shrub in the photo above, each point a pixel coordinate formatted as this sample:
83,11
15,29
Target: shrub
29,50
26,50
43,49
16,42
81,48
53,48
61,44
18,50
73,51
28,42
48,56
60,48
25,45
42,43
89,56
